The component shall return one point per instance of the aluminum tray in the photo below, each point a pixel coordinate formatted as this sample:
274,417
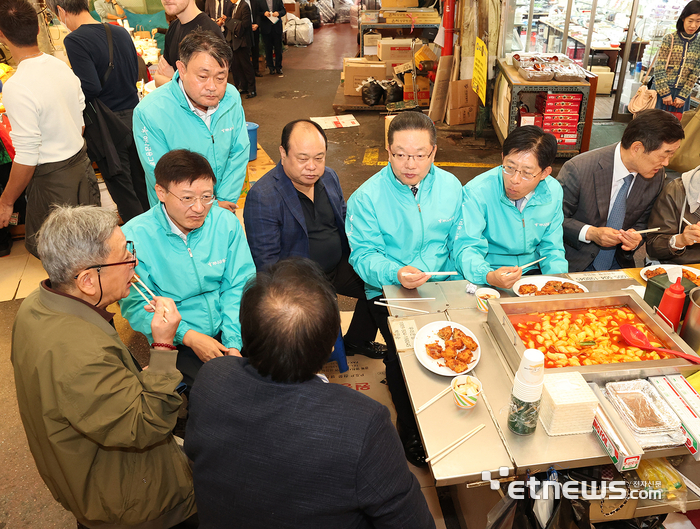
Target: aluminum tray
513,348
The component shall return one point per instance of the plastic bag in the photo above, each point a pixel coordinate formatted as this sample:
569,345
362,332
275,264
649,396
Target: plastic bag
658,474
647,522
512,514
373,93
394,92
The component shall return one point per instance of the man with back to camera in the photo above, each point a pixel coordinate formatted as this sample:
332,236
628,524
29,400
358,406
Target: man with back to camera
99,427
316,455
195,253
114,85
600,221
189,18
513,214
401,223
51,161
297,210
199,111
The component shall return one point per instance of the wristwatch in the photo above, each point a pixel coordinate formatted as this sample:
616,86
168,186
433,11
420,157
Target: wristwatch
672,244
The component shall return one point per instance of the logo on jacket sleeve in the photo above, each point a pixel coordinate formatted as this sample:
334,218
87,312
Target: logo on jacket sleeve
214,263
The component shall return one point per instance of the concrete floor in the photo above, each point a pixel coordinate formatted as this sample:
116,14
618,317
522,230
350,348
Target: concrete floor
307,89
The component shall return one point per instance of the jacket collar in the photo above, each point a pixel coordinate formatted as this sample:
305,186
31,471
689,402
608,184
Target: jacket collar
425,185
289,195
164,224
179,95
58,302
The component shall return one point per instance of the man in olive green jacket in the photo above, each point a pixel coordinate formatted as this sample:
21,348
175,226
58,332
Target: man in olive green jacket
98,426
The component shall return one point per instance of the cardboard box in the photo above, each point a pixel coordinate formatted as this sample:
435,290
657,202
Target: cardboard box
569,125
462,95
530,118
423,89
605,81
549,96
292,7
557,106
598,69
690,422
357,70
395,50
389,4
372,39
551,117
564,134
461,116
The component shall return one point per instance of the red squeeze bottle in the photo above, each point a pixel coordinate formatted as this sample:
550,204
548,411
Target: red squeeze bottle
671,305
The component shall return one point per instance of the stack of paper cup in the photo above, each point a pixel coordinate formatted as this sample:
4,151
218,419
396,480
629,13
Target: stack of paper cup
527,392
531,368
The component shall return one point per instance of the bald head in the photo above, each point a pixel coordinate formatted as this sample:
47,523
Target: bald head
303,128
303,154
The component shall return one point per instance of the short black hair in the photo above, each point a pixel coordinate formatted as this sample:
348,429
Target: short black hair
182,165
652,128
530,138
691,8
19,22
289,128
411,121
74,7
289,320
204,41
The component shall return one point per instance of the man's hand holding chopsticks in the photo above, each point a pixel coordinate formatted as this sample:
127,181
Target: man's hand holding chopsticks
205,347
504,277
410,277
163,329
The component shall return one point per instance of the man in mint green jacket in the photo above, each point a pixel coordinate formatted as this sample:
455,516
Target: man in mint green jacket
513,214
198,111
196,253
401,223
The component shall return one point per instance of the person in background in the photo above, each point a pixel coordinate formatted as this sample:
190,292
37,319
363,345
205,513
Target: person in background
292,472
108,10
271,32
240,35
5,167
675,78
609,192
297,210
676,213
89,411
513,214
401,223
189,18
114,85
51,160
196,253
199,111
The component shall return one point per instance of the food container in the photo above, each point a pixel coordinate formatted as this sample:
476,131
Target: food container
568,404
506,336
532,75
690,331
465,400
483,296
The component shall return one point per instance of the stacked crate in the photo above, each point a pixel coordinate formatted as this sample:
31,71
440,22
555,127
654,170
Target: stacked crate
560,115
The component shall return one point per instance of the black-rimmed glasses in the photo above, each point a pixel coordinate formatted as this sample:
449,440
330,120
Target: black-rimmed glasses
129,248
401,157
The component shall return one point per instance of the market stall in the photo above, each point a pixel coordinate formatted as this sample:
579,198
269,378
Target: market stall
496,448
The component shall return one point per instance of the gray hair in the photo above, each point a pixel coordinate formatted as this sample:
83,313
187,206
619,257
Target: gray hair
204,41
74,238
74,7
412,121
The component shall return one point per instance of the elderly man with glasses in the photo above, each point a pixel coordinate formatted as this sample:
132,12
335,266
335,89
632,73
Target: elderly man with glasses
400,224
513,214
195,252
88,409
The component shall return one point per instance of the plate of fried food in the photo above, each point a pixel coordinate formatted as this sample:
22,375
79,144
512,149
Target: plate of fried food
546,286
689,273
447,348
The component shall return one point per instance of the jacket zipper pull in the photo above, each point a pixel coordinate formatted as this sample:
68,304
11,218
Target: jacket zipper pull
523,222
212,138
419,208
190,252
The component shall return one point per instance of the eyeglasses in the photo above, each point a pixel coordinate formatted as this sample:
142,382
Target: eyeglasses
527,177
188,202
400,157
129,248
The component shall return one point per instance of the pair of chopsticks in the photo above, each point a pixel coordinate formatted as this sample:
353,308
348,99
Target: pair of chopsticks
650,230
448,449
401,308
528,264
435,398
149,301
409,274
686,221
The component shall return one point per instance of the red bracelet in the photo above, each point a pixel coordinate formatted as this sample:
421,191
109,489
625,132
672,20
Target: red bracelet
165,345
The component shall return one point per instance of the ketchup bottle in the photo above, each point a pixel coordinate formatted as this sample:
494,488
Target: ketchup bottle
671,305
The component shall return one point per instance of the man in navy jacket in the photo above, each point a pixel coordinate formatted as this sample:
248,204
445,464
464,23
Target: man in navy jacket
298,210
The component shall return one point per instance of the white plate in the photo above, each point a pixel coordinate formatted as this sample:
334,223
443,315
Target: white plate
667,267
428,334
540,281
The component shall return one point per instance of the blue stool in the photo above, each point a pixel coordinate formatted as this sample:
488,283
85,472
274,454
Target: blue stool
338,354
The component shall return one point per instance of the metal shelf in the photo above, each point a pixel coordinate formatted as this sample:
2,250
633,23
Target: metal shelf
383,25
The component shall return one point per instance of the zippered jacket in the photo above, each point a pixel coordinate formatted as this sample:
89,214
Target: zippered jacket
494,233
388,228
205,276
163,121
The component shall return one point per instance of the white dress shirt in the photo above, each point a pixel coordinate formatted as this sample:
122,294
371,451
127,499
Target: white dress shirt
206,116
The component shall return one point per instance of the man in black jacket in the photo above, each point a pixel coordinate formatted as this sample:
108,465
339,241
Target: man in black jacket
239,35
271,32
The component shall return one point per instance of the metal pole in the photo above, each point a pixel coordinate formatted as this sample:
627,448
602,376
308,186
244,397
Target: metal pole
589,37
528,34
565,36
625,60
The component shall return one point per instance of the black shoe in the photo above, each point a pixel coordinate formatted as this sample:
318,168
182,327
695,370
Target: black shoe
5,248
272,71
279,71
258,74
412,445
243,92
251,95
370,349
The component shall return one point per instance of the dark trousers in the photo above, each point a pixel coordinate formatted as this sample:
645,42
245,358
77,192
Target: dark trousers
242,70
5,237
346,282
255,51
273,42
189,364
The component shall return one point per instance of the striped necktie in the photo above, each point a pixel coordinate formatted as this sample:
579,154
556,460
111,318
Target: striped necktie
414,190
616,217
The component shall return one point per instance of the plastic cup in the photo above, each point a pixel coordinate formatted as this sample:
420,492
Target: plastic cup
527,392
465,401
531,370
253,137
482,297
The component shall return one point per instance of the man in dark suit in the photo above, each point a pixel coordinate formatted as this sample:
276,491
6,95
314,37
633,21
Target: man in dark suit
275,445
239,35
271,33
609,192
298,210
